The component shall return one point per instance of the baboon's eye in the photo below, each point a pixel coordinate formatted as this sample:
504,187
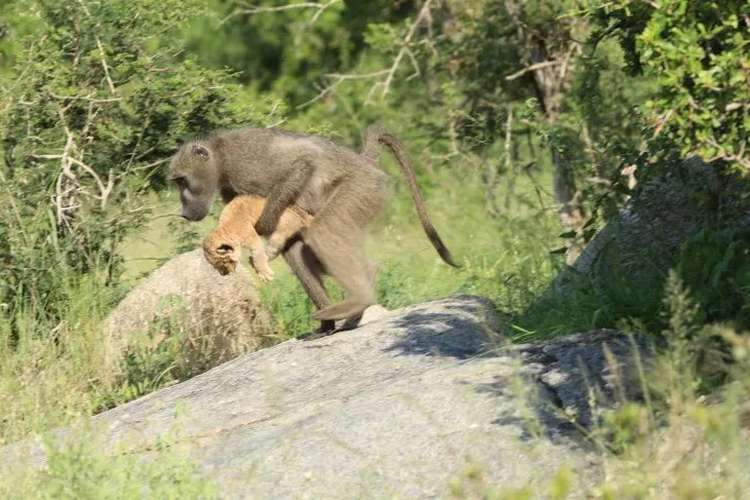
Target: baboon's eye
224,249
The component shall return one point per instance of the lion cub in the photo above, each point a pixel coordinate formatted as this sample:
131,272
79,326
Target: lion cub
236,230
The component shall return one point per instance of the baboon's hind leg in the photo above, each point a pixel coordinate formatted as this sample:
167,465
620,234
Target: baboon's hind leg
356,277
337,236
307,268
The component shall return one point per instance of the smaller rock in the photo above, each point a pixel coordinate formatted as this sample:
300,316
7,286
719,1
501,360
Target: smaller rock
217,317
373,313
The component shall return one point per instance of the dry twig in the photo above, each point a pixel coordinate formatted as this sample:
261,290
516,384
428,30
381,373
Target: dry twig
252,10
389,73
533,67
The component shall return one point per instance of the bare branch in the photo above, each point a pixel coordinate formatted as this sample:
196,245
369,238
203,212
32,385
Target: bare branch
65,171
662,122
83,98
252,10
339,78
423,13
103,190
105,66
564,68
533,67
723,154
150,165
102,52
417,72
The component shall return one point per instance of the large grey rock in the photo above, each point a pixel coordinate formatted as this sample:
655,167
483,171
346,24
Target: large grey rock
631,255
216,317
416,403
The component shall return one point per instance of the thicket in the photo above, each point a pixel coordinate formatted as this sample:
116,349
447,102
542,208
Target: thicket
96,95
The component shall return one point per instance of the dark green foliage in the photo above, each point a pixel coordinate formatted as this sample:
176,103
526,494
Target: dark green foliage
715,266
96,103
284,51
697,51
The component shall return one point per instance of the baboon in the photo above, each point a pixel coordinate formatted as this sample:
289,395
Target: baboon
343,190
236,230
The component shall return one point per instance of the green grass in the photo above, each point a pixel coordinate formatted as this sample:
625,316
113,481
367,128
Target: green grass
83,465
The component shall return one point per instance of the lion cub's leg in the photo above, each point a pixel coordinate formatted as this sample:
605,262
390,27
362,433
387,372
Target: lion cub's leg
259,258
236,230
290,223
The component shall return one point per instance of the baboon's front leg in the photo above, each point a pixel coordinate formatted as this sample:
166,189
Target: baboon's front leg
282,196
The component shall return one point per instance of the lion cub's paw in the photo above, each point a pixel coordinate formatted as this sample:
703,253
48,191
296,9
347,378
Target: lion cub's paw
265,273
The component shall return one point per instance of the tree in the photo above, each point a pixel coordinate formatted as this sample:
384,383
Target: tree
698,52
96,103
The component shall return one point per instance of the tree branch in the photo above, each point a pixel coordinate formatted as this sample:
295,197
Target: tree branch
105,66
339,78
405,47
533,67
404,51
252,10
102,53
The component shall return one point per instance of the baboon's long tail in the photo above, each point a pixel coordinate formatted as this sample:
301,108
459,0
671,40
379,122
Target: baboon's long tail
373,137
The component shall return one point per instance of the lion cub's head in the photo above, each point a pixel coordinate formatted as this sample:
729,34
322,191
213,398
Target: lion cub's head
223,255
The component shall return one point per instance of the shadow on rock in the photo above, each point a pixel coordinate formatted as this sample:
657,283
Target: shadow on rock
585,373
459,329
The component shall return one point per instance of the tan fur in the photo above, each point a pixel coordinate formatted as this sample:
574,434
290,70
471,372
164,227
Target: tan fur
236,230
343,190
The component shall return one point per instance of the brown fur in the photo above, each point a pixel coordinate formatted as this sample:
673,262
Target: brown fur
343,190
236,230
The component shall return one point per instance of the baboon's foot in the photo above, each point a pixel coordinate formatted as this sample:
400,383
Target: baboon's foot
350,323
343,310
326,328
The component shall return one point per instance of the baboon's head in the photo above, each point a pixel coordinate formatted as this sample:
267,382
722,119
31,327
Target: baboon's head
223,256
194,170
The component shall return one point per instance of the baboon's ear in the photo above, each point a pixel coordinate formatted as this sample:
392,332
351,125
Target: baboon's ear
224,249
200,151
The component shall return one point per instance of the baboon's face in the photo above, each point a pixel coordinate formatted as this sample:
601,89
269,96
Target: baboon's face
194,172
223,257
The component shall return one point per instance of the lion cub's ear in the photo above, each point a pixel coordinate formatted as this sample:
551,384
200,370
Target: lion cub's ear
227,250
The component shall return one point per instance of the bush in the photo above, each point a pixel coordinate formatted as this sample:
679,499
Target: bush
696,52
98,100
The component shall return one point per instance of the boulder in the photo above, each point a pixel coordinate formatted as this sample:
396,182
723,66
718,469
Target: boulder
214,318
625,264
423,402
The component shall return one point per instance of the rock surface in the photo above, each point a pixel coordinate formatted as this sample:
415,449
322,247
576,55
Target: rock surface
217,317
576,367
415,403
